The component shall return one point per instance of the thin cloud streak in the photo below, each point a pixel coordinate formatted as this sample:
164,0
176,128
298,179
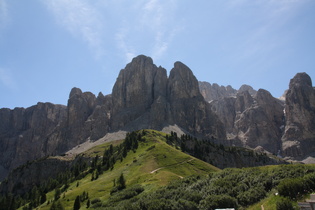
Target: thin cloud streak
128,51
81,19
157,15
152,23
4,14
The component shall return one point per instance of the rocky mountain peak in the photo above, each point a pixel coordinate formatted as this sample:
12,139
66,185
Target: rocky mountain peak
135,84
182,82
75,91
300,79
299,135
248,88
263,96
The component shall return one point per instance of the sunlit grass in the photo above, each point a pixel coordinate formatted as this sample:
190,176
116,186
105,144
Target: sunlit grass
151,154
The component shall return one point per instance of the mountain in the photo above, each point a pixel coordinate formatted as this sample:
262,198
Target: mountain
142,97
257,119
252,120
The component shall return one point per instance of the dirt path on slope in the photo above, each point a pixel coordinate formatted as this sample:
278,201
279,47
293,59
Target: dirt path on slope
176,164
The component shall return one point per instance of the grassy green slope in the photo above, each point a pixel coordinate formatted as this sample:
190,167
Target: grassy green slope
154,164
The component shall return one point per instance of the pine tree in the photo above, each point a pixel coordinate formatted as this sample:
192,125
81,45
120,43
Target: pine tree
43,198
92,178
57,194
76,205
121,182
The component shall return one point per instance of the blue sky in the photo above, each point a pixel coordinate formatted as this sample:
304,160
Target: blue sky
48,47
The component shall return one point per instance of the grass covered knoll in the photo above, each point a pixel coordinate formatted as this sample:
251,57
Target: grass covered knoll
146,165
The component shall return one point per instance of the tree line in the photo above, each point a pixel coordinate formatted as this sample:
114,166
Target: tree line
80,168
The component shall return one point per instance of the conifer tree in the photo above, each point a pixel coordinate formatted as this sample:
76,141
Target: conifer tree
76,205
57,194
121,182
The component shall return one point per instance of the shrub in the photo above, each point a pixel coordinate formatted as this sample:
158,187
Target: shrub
95,200
284,204
95,203
218,201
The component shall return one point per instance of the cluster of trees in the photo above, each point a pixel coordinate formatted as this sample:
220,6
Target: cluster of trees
79,169
120,184
216,154
229,188
37,195
295,188
115,153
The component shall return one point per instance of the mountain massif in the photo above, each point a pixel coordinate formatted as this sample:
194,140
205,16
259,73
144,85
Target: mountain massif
145,97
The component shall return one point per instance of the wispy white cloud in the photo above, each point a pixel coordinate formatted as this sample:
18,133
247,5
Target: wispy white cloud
127,50
81,19
4,14
158,17
150,22
6,79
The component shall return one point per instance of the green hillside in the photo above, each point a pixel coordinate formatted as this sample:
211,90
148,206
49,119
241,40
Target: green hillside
152,165
148,170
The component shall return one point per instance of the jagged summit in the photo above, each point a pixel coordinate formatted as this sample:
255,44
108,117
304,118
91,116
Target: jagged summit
144,97
299,135
215,92
300,79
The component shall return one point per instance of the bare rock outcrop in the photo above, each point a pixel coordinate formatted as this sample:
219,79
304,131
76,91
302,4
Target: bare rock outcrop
143,97
247,88
215,92
252,121
189,109
26,134
299,136
139,87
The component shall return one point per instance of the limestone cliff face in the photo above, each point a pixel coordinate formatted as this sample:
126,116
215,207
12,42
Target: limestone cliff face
260,124
257,119
189,109
299,136
216,92
252,121
139,86
143,97
80,107
25,134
